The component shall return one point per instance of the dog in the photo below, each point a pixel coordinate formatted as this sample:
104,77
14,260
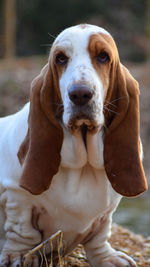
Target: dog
71,153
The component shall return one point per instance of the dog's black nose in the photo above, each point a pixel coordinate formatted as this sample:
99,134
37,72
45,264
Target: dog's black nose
80,94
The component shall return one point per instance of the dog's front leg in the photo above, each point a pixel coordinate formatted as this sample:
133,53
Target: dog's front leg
99,251
20,235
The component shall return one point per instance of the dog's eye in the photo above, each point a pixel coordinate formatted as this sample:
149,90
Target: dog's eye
61,59
103,57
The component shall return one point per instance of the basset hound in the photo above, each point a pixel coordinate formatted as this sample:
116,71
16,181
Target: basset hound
70,154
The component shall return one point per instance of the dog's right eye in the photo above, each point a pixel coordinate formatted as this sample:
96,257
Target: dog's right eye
61,59
103,57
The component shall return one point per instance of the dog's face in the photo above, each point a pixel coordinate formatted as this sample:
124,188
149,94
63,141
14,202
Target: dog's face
83,58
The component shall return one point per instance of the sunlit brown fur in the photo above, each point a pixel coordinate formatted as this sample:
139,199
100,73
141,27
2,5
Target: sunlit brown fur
40,151
121,142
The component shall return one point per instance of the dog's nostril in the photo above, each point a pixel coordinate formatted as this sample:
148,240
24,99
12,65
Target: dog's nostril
80,94
88,96
74,97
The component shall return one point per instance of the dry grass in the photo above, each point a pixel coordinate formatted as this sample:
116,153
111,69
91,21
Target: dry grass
132,244
122,239
47,261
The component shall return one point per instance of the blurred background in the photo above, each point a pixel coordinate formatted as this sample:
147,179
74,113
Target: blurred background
28,28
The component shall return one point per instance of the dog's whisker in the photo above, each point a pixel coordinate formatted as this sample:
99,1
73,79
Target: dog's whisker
110,110
117,99
59,109
109,103
49,45
105,127
56,104
51,35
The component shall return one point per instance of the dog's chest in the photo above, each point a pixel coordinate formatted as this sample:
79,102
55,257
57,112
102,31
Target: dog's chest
75,199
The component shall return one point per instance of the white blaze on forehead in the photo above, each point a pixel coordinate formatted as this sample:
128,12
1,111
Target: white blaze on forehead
75,40
80,31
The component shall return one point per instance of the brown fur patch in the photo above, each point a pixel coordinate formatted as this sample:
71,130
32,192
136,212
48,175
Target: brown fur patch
121,142
41,148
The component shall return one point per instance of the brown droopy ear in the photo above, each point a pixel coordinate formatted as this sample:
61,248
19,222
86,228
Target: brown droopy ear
122,142
40,151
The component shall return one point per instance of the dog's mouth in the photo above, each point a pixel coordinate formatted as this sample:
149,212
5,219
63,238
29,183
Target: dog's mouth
83,122
89,117
85,126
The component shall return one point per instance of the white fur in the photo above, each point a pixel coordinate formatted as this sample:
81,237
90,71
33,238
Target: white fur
80,194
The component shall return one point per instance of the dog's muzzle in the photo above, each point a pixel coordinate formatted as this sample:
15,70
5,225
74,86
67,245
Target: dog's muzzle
82,106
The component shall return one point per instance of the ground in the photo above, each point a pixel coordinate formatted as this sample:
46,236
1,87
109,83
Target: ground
121,239
134,245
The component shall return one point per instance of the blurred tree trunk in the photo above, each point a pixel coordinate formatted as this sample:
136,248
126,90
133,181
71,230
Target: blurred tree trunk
9,28
148,26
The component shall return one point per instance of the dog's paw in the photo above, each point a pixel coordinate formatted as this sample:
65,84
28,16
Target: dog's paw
12,259
118,259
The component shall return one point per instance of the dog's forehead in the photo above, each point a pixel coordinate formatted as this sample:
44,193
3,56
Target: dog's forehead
79,34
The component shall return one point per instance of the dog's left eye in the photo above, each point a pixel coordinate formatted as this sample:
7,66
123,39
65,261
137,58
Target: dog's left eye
61,59
103,57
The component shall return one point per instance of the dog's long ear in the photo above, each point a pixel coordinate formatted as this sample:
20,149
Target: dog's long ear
40,151
122,142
